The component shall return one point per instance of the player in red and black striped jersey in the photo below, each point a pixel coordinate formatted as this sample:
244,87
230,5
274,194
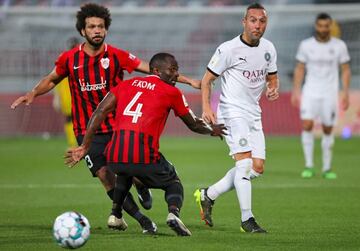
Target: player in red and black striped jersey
142,106
92,68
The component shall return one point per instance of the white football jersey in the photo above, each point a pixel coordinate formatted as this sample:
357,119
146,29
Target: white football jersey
322,61
243,70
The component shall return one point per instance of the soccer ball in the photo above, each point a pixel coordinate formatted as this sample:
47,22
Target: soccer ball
71,230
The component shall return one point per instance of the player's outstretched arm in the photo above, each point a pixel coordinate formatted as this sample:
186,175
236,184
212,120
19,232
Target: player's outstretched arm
299,73
107,105
195,83
144,68
43,86
198,125
272,87
206,83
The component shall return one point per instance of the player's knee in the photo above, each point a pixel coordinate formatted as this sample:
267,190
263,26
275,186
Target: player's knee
258,166
307,125
327,130
106,177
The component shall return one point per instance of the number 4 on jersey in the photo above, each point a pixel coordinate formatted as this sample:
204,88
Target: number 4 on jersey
134,113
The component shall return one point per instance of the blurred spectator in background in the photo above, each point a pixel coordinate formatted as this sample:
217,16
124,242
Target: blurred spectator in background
62,100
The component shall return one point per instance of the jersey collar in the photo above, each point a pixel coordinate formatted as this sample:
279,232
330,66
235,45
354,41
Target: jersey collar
250,45
81,46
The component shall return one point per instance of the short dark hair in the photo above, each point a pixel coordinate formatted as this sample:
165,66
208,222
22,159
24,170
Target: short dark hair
92,10
158,60
254,6
323,16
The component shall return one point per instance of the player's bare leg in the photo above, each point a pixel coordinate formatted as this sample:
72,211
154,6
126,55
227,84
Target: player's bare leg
307,140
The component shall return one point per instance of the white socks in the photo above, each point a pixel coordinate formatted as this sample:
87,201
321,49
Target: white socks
307,140
223,185
327,142
254,174
238,177
243,187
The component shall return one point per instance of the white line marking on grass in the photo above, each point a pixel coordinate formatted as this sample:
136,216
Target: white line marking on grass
288,185
34,186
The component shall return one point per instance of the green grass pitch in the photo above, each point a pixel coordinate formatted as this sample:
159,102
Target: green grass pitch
299,214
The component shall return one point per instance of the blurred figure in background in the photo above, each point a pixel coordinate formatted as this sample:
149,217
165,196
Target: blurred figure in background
62,100
319,58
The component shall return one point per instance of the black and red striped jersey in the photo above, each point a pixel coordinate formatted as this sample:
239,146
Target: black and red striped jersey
90,79
143,105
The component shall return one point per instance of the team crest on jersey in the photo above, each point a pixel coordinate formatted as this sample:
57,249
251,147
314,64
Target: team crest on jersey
243,142
105,62
267,56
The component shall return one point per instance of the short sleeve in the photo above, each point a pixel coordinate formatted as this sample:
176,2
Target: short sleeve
128,61
60,65
179,104
301,53
272,67
114,90
344,53
220,61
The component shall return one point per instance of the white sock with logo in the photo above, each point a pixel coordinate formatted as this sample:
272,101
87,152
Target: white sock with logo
307,140
327,143
242,185
254,174
223,185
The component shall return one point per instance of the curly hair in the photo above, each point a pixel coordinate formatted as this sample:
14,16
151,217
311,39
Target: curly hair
92,10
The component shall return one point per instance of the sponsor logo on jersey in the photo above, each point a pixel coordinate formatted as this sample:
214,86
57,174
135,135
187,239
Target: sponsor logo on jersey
242,60
86,86
255,75
105,62
77,67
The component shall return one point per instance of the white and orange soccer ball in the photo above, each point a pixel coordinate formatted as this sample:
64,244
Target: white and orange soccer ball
71,230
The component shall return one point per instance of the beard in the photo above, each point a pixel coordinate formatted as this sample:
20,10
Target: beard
323,35
94,43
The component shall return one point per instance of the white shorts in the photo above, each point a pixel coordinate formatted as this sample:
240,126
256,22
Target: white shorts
244,135
324,109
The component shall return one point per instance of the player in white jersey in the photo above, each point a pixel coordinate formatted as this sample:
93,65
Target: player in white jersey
320,57
247,65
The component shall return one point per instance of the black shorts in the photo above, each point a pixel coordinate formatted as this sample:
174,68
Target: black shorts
158,175
95,158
